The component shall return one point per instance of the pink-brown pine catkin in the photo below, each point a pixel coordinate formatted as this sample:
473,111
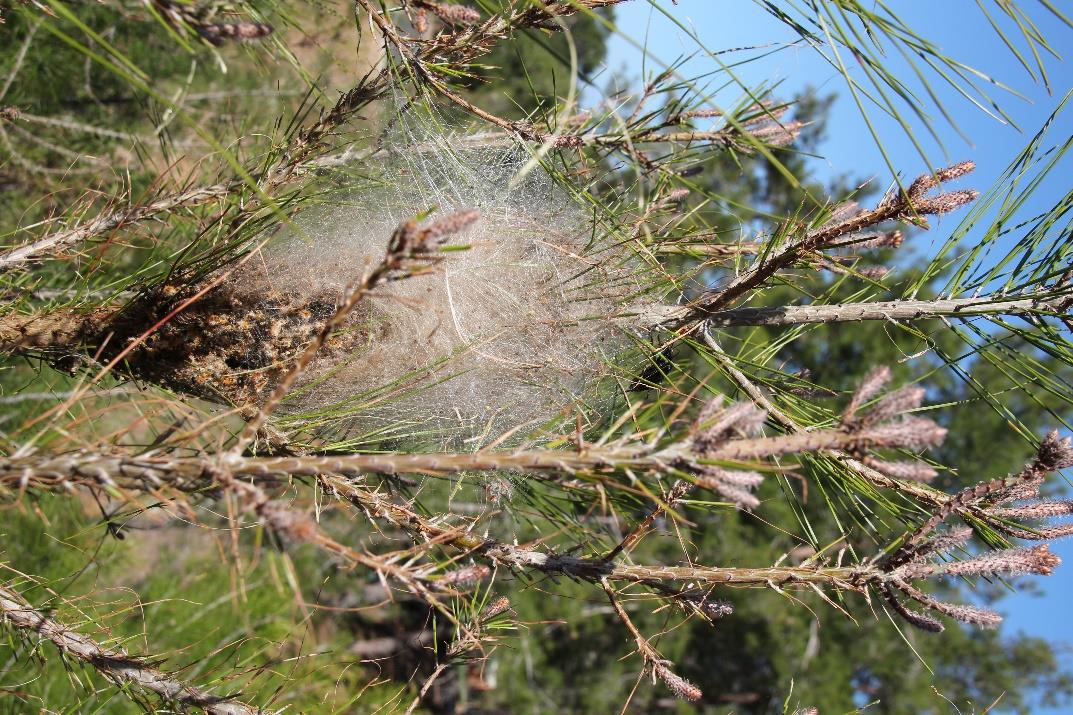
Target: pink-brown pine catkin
677,684
219,33
496,608
1010,562
466,576
927,182
451,13
895,403
872,384
735,485
1037,510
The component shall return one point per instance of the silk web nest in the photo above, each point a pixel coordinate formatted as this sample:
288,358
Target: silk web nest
526,323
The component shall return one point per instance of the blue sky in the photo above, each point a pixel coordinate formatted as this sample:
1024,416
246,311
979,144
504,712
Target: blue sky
961,30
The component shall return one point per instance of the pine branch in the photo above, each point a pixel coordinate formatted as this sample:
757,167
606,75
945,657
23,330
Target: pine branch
103,224
910,205
653,660
114,663
1043,303
931,497
58,472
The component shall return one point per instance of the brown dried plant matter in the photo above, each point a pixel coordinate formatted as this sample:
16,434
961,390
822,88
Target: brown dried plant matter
228,346
255,338
231,337
234,343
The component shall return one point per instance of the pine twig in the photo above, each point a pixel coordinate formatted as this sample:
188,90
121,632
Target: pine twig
1044,302
102,224
910,205
62,471
932,497
113,663
653,660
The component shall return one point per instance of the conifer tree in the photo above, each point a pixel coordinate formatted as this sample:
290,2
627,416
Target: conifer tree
347,356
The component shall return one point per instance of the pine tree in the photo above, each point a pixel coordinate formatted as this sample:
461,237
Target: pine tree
441,392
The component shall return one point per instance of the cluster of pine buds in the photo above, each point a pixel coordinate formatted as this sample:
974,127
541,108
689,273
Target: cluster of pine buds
886,424
449,13
919,554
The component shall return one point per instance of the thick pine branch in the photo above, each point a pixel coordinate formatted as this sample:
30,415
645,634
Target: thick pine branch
893,310
188,472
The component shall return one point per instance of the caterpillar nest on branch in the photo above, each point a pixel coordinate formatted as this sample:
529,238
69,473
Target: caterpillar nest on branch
518,324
